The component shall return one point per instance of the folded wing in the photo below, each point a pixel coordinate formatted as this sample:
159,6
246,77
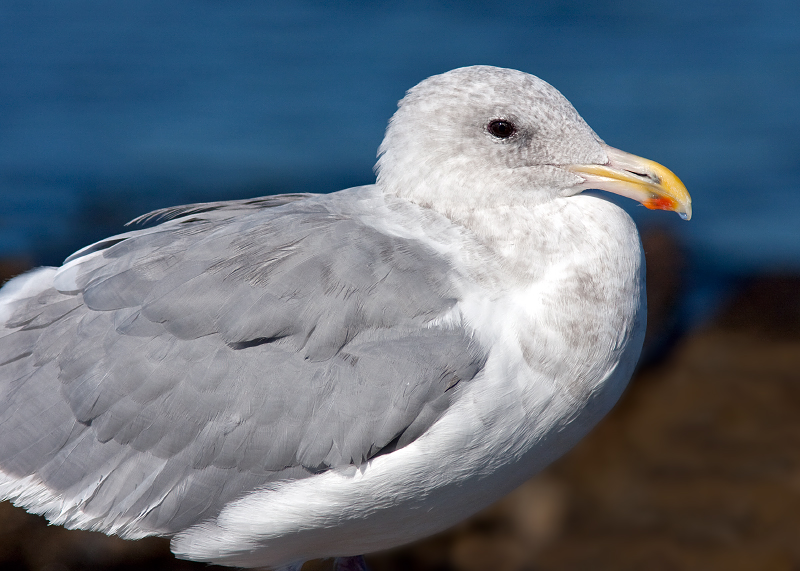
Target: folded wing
164,372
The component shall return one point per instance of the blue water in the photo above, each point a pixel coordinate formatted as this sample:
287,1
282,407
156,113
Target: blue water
110,109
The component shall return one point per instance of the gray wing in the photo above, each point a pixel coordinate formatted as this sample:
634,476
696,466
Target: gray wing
167,371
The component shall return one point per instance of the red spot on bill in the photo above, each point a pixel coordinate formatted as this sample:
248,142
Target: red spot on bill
661,203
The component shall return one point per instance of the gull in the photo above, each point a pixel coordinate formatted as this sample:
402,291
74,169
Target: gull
285,378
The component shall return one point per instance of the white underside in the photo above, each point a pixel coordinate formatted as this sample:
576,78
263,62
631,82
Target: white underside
504,427
482,449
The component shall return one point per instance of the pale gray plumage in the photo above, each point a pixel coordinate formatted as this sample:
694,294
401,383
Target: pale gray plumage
284,378
235,345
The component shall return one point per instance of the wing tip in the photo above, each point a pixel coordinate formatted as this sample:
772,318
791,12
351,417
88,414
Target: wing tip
32,495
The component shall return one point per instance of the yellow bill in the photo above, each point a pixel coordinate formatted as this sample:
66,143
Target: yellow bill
641,179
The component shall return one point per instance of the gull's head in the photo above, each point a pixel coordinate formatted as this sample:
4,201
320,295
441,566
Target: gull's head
485,136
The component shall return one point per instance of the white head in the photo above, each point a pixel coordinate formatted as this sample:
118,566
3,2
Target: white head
481,136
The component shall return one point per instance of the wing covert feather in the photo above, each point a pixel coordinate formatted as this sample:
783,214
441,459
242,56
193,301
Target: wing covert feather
185,364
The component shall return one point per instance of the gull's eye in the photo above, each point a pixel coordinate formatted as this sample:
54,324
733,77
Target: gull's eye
501,128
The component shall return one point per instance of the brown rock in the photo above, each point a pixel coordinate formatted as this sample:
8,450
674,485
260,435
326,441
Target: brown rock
699,467
768,305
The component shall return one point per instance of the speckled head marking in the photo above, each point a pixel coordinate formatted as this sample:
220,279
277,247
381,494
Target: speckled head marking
444,129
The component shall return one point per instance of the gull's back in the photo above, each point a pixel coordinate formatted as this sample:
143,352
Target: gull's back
174,369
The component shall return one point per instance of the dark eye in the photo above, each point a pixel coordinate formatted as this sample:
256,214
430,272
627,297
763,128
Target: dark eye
502,129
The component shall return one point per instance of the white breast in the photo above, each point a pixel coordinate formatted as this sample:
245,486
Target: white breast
562,309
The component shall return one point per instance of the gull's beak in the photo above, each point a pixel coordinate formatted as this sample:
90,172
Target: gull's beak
644,180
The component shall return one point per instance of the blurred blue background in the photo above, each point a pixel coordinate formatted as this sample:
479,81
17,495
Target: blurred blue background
111,109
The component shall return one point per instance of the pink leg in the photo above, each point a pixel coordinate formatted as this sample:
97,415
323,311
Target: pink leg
350,564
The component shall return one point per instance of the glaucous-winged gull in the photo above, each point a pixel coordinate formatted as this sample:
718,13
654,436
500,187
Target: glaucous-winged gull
301,376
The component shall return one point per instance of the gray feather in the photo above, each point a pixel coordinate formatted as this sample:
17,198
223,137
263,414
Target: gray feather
236,345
